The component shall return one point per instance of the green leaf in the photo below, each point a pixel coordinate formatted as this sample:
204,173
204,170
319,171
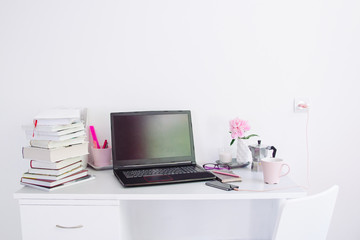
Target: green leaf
232,141
251,135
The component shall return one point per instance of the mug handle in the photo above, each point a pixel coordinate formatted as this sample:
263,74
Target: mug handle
287,170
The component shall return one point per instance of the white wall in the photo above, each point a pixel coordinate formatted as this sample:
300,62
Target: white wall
220,59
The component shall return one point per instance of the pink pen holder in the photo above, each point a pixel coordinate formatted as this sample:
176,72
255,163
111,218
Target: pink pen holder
101,157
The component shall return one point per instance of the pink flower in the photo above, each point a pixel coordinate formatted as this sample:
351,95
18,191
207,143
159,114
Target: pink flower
238,127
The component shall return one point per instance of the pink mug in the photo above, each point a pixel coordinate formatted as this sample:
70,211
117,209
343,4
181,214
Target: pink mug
272,169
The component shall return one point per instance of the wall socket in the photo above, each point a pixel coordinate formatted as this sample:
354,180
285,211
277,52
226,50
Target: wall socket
301,104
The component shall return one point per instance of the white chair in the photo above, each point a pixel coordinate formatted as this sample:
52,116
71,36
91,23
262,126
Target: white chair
306,218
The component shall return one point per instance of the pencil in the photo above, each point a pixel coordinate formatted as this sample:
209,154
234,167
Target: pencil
225,173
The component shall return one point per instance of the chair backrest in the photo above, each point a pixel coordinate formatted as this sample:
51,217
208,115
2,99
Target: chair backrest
306,218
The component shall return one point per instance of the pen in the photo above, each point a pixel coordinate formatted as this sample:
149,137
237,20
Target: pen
225,173
105,145
93,134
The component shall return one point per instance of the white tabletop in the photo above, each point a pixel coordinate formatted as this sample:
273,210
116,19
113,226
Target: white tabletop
107,187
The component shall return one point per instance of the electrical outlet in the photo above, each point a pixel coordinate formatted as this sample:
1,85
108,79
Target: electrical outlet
301,104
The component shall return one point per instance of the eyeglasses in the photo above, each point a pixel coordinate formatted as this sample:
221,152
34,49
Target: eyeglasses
211,166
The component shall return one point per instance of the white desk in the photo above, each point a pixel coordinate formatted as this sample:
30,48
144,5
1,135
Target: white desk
102,208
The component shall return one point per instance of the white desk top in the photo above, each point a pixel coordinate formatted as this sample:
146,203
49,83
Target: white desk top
105,186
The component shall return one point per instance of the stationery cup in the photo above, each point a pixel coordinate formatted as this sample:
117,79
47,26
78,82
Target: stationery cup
101,156
272,169
225,155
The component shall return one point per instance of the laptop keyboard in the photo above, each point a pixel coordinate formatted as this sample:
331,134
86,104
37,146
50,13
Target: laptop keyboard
161,171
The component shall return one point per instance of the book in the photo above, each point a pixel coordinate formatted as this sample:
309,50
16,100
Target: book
74,182
58,116
55,154
55,172
56,144
226,176
29,130
36,136
52,176
53,128
54,165
53,183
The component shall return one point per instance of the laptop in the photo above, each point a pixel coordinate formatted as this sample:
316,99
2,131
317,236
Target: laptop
154,147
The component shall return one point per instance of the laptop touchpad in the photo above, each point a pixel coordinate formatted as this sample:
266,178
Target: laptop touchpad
158,178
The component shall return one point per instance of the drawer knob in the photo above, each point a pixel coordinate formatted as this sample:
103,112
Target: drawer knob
72,227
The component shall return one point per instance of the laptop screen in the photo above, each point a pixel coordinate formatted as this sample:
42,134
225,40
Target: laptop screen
151,138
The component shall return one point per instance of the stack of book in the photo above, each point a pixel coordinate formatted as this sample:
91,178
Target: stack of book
57,147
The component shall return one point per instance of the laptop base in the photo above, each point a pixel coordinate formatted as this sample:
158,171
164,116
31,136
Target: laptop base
162,179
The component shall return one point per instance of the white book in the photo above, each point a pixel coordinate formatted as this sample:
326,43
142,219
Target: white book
58,116
29,135
53,183
54,165
55,172
51,176
52,128
30,130
74,182
56,144
55,154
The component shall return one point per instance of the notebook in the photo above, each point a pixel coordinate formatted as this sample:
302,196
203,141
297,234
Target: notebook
154,147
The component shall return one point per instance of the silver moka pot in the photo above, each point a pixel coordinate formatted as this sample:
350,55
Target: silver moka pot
259,152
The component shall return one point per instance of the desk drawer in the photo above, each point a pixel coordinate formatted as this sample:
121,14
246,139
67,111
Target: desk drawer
44,222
